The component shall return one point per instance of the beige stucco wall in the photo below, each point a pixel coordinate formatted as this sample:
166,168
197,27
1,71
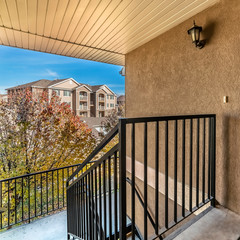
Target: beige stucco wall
169,76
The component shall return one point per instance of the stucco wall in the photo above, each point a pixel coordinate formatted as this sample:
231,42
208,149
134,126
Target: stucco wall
169,76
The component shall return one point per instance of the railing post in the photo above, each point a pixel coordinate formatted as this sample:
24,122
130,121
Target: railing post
122,178
68,209
213,161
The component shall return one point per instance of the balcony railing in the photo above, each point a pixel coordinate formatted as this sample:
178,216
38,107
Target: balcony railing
83,107
182,149
27,197
83,97
101,107
101,99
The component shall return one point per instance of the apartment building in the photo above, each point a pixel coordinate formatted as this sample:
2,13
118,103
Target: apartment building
85,100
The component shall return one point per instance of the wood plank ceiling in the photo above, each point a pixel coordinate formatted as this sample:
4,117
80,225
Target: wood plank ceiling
98,30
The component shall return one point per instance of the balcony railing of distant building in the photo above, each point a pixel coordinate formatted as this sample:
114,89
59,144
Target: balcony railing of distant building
83,97
101,107
183,153
83,107
101,99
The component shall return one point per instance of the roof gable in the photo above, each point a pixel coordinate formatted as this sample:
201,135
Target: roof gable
105,88
84,86
64,83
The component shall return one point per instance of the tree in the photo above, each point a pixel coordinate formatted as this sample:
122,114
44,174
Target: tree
112,119
38,133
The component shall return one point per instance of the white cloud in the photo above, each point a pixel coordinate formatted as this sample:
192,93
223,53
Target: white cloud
51,73
115,85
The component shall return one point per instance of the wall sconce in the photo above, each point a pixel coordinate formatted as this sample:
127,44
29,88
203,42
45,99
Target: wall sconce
195,34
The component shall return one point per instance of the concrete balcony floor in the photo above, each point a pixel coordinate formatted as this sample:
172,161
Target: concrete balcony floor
47,228
217,224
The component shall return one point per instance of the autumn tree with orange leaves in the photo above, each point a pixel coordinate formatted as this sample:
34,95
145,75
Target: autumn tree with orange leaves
37,133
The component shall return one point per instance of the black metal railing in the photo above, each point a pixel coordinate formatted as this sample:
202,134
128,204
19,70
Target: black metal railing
30,196
179,153
92,194
169,159
93,200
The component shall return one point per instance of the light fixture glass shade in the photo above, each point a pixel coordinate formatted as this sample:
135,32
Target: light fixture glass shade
195,33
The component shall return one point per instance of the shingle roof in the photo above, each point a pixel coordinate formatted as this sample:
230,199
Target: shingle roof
94,122
44,83
96,87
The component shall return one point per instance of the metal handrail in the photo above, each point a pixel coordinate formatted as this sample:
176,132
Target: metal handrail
97,163
166,118
100,146
36,173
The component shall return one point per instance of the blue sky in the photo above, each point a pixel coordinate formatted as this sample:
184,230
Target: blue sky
19,66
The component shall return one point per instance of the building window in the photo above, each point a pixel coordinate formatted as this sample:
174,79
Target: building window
57,92
111,105
111,97
107,105
67,93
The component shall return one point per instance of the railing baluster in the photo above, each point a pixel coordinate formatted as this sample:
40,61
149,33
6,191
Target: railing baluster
213,160
79,209
183,168
22,200
58,189
122,180
175,169
96,208
190,166
53,192
29,199
63,186
84,209
145,181
157,179
47,190
100,200
104,199
87,208
115,198
109,198
166,175
197,167
35,196
1,197
92,205
133,181
41,194
209,157
8,204
203,162
15,201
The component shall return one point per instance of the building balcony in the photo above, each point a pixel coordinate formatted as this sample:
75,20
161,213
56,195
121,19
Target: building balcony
101,107
83,97
91,103
98,189
101,99
83,107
